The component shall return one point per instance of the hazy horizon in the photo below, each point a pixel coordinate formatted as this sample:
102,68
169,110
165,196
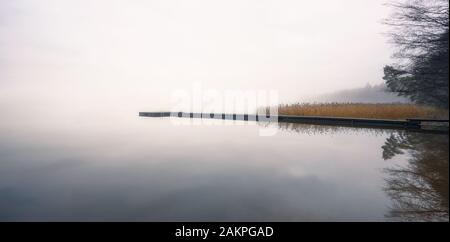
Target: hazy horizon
134,54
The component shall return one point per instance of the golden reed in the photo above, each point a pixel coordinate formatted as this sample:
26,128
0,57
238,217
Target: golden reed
363,110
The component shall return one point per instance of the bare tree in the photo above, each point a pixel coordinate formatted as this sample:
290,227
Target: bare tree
420,31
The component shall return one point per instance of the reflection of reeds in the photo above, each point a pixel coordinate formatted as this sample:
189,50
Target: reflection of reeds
363,110
312,129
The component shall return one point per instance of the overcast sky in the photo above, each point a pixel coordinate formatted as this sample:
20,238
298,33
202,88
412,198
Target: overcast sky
107,52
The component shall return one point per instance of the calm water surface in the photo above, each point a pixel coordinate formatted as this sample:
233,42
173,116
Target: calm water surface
126,168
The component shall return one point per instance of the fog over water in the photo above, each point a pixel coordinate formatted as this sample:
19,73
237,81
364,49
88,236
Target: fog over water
75,74
132,55
148,169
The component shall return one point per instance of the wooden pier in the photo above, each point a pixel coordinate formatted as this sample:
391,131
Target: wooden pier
408,124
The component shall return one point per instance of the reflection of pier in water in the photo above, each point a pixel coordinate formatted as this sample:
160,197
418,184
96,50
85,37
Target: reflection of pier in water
418,125
418,189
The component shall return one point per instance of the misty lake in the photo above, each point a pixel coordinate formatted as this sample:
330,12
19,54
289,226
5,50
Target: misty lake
130,168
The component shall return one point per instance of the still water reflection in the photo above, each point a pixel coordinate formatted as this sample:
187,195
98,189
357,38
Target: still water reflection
142,169
419,189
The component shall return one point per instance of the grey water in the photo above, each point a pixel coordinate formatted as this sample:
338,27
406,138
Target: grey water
128,168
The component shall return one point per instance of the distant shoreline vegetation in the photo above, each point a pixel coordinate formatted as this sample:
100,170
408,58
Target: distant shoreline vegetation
398,111
378,93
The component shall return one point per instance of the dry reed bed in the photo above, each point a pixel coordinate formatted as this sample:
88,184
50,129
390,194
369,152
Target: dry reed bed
398,111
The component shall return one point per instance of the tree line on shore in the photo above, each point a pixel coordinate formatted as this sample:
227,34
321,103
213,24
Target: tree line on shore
420,31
